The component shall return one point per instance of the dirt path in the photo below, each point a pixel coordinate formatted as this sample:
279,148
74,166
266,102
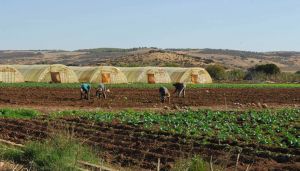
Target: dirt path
148,98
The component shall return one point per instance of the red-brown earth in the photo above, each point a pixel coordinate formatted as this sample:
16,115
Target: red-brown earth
149,98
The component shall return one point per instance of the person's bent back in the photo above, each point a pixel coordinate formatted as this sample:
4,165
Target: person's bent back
180,89
164,94
85,89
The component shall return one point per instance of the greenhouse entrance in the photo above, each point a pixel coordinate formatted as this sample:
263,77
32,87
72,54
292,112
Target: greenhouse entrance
7,76
151,79
55,77
105,77
194,78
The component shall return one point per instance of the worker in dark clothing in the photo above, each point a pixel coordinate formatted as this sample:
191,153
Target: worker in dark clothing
164,94
101,91
85,91
180,89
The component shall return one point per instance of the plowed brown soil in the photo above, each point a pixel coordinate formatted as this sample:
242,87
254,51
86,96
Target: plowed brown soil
149,98
128,145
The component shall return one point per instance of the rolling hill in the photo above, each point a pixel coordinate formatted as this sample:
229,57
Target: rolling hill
287,61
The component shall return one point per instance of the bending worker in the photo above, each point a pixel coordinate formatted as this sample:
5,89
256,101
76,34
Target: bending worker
180,89
101,91
85,91
164,94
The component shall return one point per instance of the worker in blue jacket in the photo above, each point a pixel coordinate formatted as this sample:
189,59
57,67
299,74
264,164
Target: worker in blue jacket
85,91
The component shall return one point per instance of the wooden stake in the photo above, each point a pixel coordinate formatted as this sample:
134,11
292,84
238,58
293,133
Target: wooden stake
211,165
158,164
237,162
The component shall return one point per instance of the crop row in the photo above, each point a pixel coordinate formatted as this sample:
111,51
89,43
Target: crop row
272,128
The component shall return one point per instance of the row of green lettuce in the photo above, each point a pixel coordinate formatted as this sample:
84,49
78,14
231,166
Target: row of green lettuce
278,128
151,86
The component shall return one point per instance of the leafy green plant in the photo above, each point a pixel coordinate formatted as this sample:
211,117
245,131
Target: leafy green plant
276,128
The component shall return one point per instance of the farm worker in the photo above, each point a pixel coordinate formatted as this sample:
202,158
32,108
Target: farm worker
164,94
180,89
85,90
101,91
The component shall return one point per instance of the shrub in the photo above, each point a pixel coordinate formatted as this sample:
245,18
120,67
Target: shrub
171,64
217,72
297,72
269,69
283,77
235,75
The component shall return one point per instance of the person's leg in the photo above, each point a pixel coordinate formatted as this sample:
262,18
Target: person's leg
97,93
180,92
183,92
85,95
161,98
88,94
81,94
104,94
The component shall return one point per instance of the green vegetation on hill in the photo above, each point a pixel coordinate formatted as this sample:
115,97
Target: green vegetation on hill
100,50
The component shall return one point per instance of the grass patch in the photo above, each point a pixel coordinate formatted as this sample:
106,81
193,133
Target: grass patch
193,164
151,86
18,113
58,153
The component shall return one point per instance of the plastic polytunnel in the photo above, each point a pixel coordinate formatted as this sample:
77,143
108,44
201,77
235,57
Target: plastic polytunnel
55,73
149,75
100,74
9,74
189,75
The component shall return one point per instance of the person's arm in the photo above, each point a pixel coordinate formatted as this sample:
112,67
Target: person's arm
175,90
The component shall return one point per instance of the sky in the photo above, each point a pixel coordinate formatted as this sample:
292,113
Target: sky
252,25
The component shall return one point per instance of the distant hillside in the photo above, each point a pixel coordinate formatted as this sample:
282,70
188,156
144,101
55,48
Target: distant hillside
287,61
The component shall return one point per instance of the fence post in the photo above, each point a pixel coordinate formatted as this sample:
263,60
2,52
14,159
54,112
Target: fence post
158,164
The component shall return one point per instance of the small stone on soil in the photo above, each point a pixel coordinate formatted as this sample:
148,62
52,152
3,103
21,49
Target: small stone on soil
259,105
264,105
166,107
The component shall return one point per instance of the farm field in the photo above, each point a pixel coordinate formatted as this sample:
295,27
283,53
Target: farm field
262,139
256,123
144,98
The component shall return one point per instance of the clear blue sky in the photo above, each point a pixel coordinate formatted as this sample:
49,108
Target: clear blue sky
256,25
